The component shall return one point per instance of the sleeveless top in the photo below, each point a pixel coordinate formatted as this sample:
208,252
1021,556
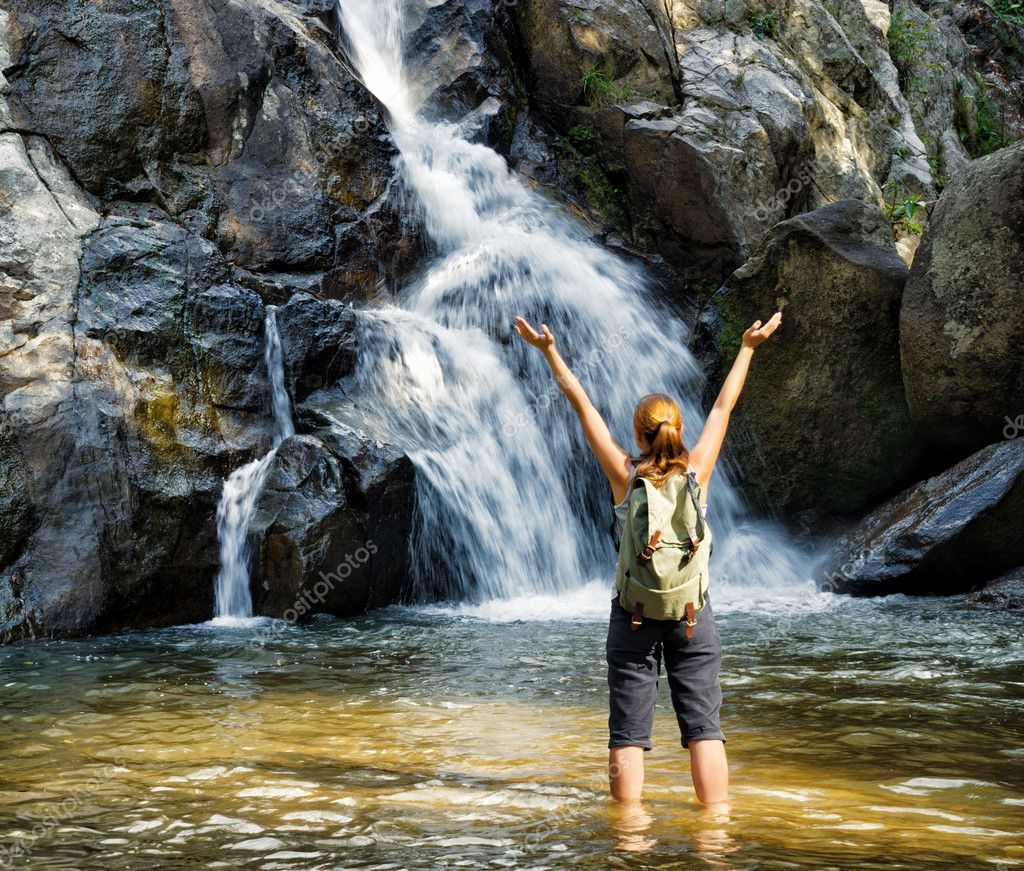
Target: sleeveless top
620,508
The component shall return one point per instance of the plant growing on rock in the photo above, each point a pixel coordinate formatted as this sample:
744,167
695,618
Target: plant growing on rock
764,21
1010,11
907,42
979,121
580,162
902,210
599,87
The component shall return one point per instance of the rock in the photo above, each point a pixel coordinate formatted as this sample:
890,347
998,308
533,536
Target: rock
1005,592
239,120
318,343
963,311
333,524
822,422
598,52
459,57
166,392
758,115
945,535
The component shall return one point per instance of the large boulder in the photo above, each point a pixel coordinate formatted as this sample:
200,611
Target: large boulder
333,525
822,423
946,535
597,51
240,120
753,115
963,311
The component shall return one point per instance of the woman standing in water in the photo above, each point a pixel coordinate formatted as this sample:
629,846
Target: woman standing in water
635,647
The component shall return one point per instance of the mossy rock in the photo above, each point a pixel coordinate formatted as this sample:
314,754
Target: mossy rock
822,423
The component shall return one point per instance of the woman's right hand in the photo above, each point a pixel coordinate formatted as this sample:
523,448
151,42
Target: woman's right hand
543,340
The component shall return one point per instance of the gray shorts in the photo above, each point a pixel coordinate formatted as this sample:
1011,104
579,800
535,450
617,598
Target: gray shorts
634,665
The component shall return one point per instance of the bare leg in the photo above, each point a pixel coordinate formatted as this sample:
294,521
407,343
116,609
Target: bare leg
709,769
626,773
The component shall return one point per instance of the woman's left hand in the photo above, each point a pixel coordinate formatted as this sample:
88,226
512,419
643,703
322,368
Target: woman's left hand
542,341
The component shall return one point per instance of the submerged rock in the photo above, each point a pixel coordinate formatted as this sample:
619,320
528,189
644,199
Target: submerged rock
1005,592
822,423
962,320
946,535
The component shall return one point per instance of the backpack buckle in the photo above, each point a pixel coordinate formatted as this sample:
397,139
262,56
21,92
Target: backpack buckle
646,554
691,619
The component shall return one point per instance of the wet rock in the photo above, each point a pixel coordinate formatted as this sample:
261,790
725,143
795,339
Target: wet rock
963,311
1005,592
822,423
460,60
240,120
946,535
333,524
318,343
160,391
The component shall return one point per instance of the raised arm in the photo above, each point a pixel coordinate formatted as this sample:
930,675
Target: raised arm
614,461
704,455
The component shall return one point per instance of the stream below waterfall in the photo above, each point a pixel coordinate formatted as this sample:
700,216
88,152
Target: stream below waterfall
861,733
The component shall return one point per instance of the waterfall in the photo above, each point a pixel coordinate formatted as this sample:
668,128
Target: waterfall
510,501
243,487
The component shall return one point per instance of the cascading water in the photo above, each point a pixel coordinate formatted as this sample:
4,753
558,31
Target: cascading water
243,487
508,493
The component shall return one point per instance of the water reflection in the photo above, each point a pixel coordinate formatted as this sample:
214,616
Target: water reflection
878,734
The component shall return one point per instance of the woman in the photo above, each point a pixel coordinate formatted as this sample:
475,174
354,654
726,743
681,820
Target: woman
634,655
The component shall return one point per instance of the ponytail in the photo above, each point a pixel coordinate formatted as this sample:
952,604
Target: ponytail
657,422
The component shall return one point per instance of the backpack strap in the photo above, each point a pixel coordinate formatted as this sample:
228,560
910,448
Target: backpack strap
697,532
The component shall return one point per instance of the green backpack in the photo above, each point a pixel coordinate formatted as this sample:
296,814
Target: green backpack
662,572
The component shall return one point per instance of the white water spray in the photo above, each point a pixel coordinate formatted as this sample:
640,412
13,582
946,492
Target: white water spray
508,493
243,487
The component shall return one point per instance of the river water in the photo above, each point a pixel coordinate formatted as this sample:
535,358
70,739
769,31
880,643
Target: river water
862,734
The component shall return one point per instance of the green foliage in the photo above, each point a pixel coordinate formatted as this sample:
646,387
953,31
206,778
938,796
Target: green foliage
599,87
764,21
580,161
731,336
979,121
902,209
907,42
1010,11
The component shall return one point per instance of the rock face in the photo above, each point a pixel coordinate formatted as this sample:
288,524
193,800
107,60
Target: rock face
165,170
239,121
1005,592
717,120
946,535
822,423
963,311
334,523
